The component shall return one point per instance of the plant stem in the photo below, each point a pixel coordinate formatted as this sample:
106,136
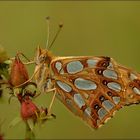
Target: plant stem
29,135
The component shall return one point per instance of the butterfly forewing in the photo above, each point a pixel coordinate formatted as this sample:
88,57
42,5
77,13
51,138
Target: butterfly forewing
91,87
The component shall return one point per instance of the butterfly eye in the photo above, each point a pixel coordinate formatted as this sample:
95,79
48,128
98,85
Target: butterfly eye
42,58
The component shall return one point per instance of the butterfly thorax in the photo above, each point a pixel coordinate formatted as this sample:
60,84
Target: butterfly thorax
42,69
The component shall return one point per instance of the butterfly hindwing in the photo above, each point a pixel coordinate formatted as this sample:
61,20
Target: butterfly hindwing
91,87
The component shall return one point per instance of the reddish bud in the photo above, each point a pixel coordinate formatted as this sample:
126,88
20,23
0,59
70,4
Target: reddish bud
19,73
28,109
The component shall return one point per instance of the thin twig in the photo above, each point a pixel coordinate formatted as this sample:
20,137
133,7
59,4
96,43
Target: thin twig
29,135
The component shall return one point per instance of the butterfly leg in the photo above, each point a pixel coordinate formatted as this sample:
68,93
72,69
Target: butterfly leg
52,101
28,63
33,75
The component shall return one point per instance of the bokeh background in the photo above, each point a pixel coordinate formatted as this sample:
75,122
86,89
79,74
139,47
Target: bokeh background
109,28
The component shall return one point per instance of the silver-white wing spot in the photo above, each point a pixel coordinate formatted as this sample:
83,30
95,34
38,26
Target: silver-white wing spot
110,74
84,84
110,66
78,99
114,86
136,90
108,105
102,113
87,111
92,62
70,105
74,67
116,99
133,76
58,66
64,86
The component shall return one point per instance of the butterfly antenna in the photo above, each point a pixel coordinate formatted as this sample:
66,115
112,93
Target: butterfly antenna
56,35
48,31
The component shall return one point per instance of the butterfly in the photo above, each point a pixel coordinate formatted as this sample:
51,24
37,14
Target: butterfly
91,87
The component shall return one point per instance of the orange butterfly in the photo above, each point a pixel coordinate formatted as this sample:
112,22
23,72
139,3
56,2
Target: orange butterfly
93,88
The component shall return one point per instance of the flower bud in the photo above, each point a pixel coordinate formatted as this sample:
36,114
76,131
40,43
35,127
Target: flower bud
28,109
18,74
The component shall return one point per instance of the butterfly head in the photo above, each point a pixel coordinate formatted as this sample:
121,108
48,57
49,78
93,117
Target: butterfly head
43,56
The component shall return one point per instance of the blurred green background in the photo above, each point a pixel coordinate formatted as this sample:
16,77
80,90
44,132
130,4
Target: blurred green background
90,28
